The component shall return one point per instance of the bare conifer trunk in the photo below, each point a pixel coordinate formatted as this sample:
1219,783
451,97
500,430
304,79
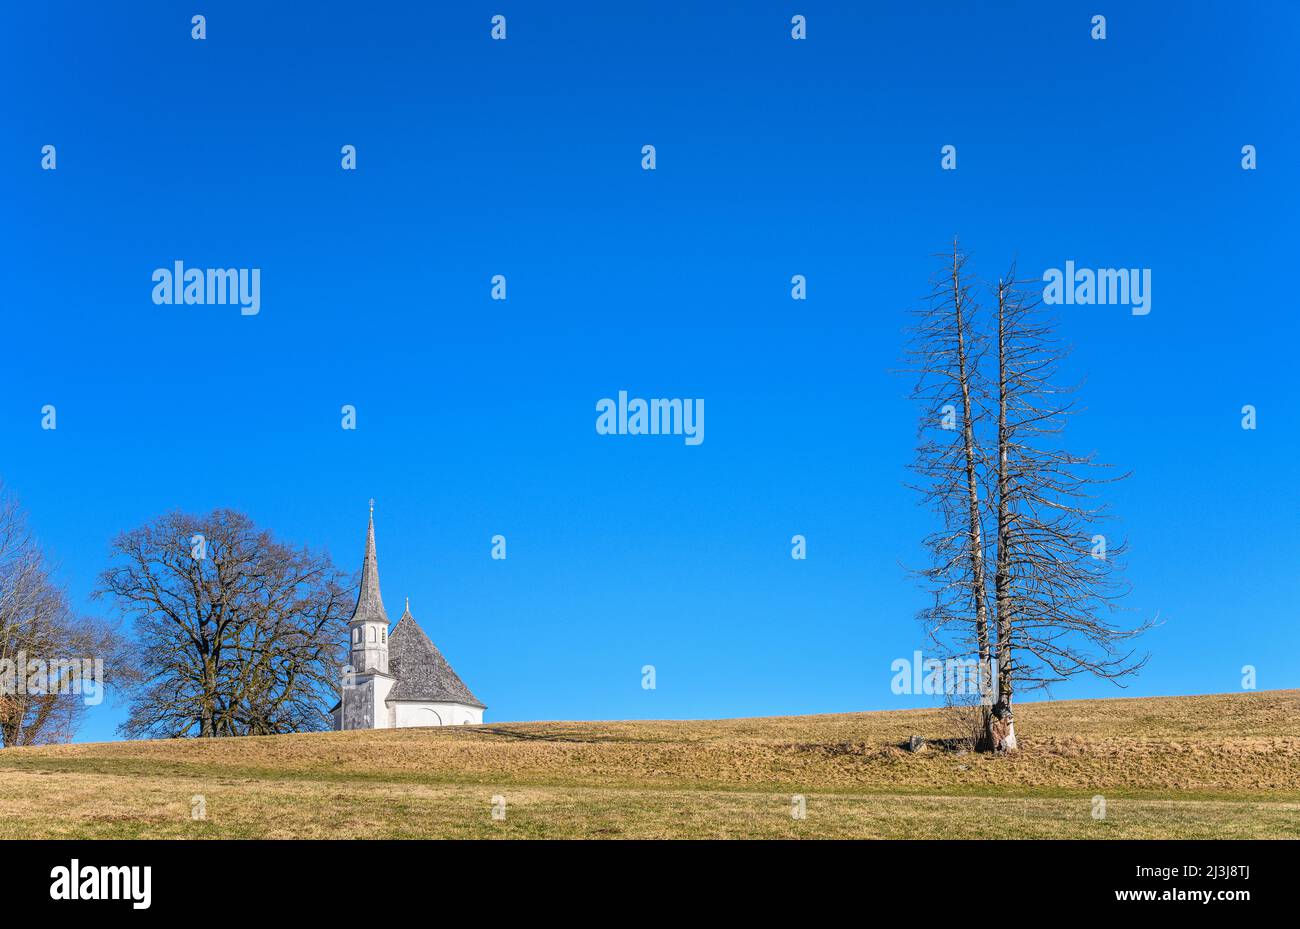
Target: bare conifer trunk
1001,733
976,528
966,371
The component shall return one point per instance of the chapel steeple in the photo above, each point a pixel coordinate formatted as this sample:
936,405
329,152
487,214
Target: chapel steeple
368,628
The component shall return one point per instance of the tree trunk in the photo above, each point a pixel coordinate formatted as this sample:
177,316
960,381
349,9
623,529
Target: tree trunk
976,529
972,483
1002,727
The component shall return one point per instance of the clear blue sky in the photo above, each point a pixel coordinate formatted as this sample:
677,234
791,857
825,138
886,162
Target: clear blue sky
522,158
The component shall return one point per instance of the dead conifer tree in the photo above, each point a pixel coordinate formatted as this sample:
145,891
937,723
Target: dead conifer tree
945,354
1055,581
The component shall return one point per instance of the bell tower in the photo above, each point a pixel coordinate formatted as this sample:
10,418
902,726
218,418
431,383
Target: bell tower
368,628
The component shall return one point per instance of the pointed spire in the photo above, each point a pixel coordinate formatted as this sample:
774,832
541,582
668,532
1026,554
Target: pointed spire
370,605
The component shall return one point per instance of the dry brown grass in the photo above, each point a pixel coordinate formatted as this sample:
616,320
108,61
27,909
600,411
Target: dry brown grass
1223,765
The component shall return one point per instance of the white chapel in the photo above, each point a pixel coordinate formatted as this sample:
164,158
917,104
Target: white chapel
398,679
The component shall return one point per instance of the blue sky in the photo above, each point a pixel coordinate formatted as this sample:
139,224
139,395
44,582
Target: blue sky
522,158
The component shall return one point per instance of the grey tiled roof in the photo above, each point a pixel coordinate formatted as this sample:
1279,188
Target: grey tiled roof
421,671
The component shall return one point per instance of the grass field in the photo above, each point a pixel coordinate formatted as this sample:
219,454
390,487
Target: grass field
1182,767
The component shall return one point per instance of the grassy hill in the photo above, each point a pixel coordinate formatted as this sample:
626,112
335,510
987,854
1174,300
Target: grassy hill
1197,767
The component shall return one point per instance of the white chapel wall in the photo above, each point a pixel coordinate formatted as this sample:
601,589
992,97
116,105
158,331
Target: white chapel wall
436,714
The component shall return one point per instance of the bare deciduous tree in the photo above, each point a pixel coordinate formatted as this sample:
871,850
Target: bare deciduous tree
239,634
40,630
